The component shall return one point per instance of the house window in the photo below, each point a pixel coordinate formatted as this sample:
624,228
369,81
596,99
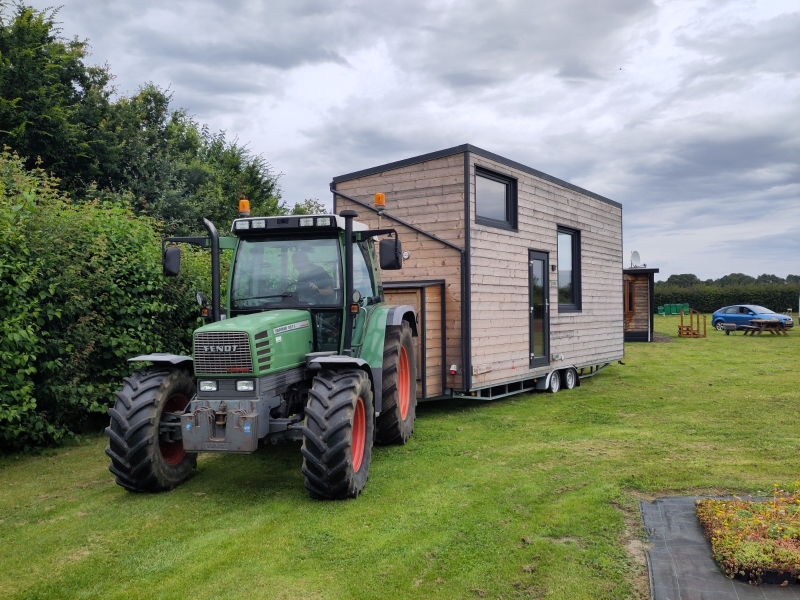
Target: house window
569,270
495,199
630,296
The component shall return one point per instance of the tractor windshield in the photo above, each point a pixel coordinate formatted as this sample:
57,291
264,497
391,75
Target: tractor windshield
287,274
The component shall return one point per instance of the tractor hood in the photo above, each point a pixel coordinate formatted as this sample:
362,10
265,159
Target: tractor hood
257,344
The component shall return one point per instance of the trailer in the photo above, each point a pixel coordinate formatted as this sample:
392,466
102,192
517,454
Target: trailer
515,276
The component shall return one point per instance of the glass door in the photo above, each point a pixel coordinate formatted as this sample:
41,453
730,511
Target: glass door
539,298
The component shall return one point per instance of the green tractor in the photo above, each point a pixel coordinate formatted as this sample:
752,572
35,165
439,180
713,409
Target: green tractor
304,349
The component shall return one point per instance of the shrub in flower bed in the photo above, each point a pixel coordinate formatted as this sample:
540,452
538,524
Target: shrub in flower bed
755,541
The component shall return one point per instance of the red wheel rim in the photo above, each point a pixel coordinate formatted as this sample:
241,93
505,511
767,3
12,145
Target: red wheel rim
359,434
404,383
173,452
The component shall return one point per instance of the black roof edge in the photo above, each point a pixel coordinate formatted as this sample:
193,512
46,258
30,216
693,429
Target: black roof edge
480,152
639,270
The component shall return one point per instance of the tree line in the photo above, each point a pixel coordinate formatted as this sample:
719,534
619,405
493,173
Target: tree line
770,291
90,182
687,280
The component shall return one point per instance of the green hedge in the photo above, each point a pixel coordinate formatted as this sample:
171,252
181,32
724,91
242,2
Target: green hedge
707,298
81,291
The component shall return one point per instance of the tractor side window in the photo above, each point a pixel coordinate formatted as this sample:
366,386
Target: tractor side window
362,274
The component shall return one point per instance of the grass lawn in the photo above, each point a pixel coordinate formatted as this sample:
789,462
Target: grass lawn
529,497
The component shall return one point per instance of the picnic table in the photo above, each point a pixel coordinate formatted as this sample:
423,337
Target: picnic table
759,326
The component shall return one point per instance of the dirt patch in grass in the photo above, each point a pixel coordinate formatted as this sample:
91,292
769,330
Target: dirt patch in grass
660,337
632,541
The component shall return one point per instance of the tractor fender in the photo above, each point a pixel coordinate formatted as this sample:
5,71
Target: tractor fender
398,314
316,363
163,358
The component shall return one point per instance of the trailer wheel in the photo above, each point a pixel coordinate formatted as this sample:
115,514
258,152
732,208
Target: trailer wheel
555,382
569,378
396,421
142,458
338,434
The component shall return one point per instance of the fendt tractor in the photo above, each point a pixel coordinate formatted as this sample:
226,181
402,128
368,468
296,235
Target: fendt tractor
304,349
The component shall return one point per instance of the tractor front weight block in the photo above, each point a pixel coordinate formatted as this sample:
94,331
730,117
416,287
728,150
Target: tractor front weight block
220,426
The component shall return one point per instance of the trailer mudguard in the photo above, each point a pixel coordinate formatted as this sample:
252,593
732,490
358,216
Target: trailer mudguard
162,358
398,314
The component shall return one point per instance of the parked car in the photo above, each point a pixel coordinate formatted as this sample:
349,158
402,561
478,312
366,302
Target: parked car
741,315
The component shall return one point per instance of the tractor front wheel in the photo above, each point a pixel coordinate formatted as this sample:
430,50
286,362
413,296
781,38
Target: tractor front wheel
399,398
337,436
145,420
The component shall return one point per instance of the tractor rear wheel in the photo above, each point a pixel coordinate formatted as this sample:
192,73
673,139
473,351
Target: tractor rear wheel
337,436
143,458
399,409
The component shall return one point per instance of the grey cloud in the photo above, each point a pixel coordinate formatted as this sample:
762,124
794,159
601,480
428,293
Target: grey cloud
768,47
575,68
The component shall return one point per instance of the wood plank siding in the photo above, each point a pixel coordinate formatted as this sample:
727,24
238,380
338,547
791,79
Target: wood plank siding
499,274
430,193
639,318
429,322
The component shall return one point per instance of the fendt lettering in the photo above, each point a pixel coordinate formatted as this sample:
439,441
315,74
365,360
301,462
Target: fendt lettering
220,348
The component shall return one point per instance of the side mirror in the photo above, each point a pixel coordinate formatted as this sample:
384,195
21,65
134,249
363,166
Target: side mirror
171,261
391,254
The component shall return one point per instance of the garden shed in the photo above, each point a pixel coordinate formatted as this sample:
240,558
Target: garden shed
522,271
638,303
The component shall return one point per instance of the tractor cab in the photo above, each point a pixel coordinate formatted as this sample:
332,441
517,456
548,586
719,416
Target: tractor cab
299,263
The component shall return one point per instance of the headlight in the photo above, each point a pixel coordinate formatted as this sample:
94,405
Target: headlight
208,386
306,222
242,225
258,223
245,386
324,221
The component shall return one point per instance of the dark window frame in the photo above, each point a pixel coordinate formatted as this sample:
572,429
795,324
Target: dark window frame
576,304
511,199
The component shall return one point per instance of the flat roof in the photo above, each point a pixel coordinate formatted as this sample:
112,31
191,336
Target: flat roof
480,152
638,270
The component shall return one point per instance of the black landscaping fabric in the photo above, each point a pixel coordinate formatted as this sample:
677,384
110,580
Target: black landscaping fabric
680,563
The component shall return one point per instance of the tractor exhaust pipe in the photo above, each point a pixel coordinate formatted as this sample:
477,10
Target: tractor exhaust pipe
348,216
214,236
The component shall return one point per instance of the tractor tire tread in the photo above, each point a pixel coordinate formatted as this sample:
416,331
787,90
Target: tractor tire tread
133,433
391,427
327,435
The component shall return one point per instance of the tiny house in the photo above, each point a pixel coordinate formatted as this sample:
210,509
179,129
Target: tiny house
515,275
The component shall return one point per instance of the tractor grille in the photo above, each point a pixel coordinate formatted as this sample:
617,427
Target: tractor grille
263,351
217,352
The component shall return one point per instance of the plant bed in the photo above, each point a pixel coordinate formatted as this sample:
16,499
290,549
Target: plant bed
755,541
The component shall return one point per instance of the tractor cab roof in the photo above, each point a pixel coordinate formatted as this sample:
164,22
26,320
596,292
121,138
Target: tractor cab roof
306,223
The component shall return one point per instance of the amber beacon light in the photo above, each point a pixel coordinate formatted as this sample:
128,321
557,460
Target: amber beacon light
244,207
380,201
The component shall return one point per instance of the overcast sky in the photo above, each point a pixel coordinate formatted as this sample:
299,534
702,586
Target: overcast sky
686,112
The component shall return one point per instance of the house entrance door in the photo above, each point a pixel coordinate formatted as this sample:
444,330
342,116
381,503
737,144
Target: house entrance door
539,293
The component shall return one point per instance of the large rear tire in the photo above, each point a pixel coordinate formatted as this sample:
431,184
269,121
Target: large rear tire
399,398
338,434
141,459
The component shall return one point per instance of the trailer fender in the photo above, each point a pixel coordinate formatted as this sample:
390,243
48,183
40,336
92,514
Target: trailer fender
163,358
544,383
317,363
398,314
